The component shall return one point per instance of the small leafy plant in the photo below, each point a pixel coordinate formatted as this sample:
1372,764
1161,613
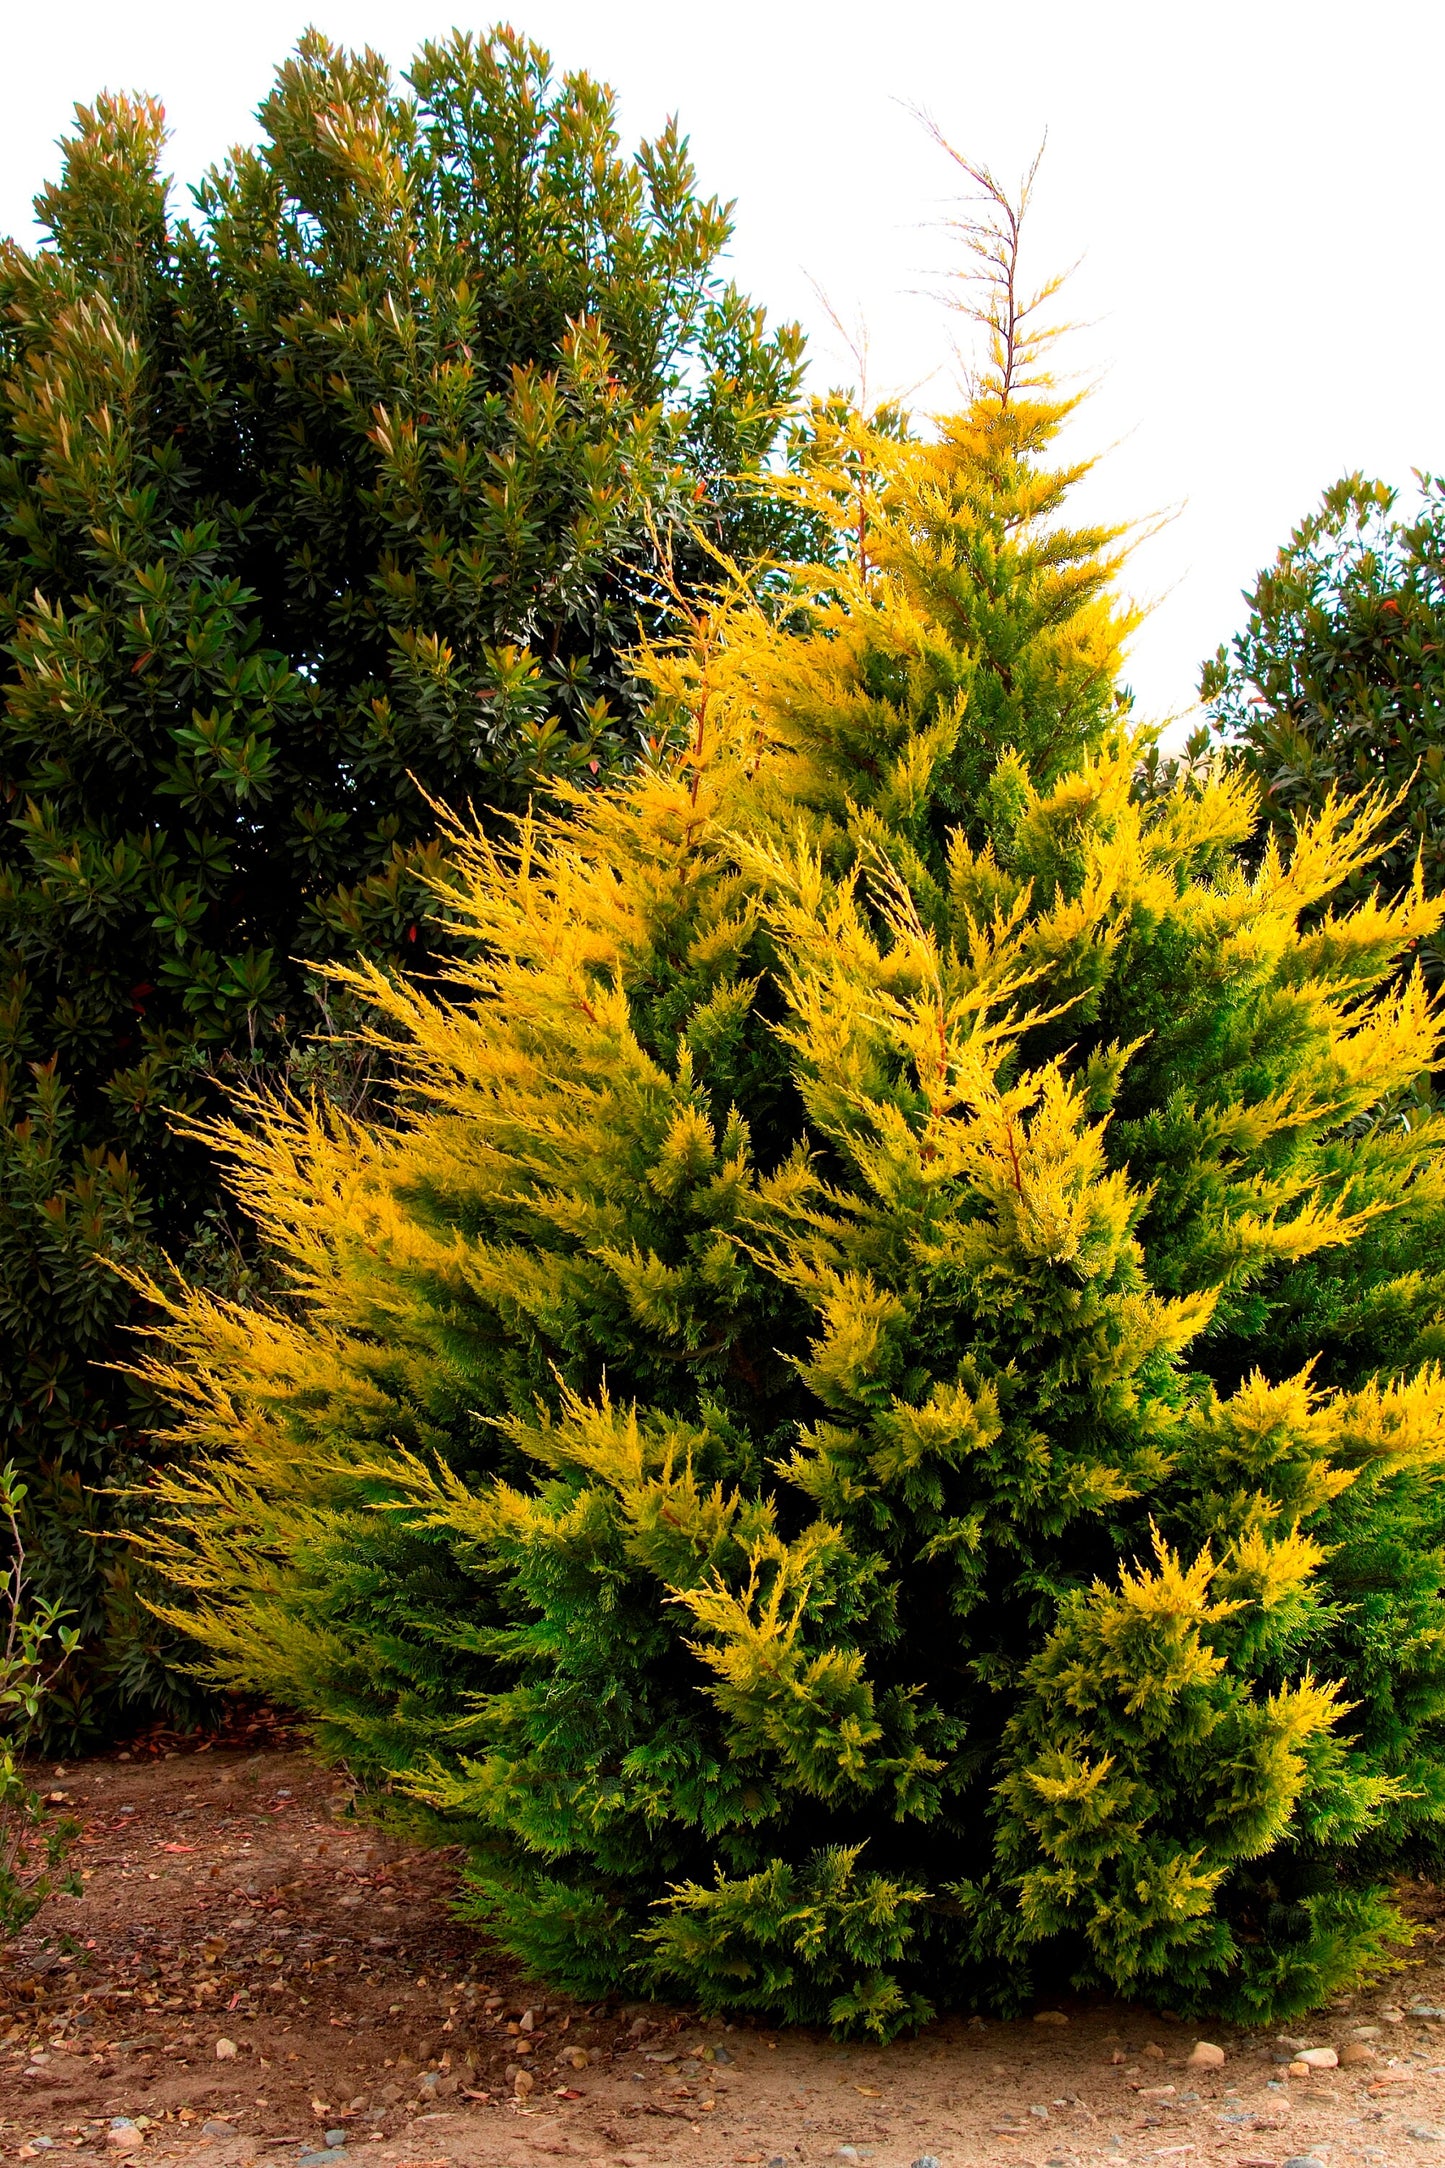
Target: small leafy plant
34,1846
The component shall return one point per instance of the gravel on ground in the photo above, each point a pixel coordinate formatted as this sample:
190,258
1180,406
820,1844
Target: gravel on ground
254,1977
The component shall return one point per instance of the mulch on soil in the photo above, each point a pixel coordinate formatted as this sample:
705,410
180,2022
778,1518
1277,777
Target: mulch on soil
254,1968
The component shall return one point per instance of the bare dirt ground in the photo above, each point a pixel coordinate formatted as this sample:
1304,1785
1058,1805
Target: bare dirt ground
252,1976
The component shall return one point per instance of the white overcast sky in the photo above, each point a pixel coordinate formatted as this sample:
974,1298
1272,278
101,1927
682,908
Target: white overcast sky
1255,191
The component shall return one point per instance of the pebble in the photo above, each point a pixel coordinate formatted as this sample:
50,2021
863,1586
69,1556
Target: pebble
123,2135
1320,2059
1424,2131
1353,2052
336,2137
1425,2009
217,2129
1206,2056
927,2160
1304,2160
225,2051
1050,2017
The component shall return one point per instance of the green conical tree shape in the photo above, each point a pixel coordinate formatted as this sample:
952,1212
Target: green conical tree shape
778,1446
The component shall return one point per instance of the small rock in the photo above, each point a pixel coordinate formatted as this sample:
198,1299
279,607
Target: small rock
926,2160
226,2051
336,2137
1299,2068
1426,2009
1364,2032
719,2055
1319,2059
1353,2052
528,2020
1304,2160
217,2129
1154,2052
1050,2017
523,2083
1426,2132
123,2135
847,2152
1041,2113
1206,2056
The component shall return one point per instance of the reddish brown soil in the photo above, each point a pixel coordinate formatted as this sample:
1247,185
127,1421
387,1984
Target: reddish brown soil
234,1897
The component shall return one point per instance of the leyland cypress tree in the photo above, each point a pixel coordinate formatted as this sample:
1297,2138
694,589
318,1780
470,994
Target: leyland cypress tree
781,1446
347,494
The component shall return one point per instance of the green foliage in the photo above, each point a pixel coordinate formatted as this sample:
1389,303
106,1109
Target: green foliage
33,1845
1337,681
782,1445
347,495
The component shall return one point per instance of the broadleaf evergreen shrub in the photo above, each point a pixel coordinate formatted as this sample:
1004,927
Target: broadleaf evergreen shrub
351,492
783,1444
1336,682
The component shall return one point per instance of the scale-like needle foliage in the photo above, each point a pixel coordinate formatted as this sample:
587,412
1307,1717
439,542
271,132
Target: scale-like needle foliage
784,1445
